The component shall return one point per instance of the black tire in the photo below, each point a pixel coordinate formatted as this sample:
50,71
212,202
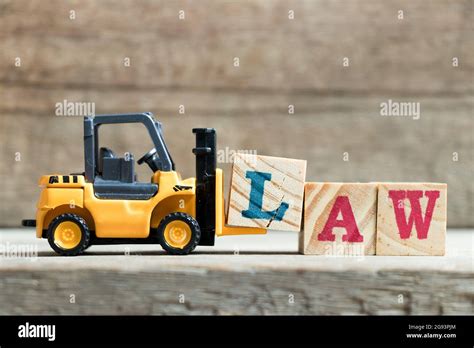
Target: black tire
85,235
195,233
88,244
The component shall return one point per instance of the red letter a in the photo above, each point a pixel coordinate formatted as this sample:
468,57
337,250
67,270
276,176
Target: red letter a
422,225
353,235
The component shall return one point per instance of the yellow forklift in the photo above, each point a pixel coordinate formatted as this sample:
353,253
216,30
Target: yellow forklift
107,205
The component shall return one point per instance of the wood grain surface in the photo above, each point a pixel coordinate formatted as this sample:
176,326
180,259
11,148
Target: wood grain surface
240,275
389,235
282,190
319,207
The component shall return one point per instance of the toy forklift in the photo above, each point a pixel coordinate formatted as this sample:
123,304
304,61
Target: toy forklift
106,204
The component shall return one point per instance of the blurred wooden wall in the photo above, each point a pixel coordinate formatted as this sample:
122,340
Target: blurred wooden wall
190,62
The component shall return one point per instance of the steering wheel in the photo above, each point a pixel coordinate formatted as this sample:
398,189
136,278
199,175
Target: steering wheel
147,156
152,159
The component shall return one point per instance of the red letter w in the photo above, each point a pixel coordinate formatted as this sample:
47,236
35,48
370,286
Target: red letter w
422,225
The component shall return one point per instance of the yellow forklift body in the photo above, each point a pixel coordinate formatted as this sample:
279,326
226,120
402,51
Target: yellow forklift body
51,198
133,218
115,218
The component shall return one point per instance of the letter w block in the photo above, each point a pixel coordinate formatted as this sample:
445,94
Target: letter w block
411,219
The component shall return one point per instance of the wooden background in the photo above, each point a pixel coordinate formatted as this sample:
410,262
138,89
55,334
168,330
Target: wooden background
190,62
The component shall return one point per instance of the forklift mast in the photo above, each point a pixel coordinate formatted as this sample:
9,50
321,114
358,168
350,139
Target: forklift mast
206,163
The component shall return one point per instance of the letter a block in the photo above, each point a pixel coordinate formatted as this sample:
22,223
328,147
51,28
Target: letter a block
411,219
339,219
267,192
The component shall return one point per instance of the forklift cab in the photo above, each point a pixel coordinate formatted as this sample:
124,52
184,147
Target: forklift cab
114,177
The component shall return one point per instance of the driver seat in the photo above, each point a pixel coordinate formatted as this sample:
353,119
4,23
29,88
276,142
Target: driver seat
116,178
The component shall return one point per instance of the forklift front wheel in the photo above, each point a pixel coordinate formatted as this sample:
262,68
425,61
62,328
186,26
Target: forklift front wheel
179,233
68,235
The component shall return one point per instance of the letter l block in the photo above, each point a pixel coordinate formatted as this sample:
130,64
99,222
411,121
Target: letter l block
267,192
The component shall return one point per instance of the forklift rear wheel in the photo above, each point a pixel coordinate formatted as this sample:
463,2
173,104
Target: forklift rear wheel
179,233
68,235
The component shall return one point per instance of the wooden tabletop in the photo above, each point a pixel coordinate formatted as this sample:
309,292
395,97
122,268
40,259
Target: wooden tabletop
239,275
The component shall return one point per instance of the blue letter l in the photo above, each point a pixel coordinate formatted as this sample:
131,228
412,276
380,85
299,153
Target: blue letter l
256,199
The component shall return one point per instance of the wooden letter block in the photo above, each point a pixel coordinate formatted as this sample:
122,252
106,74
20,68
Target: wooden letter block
267,192
339,219
411,219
